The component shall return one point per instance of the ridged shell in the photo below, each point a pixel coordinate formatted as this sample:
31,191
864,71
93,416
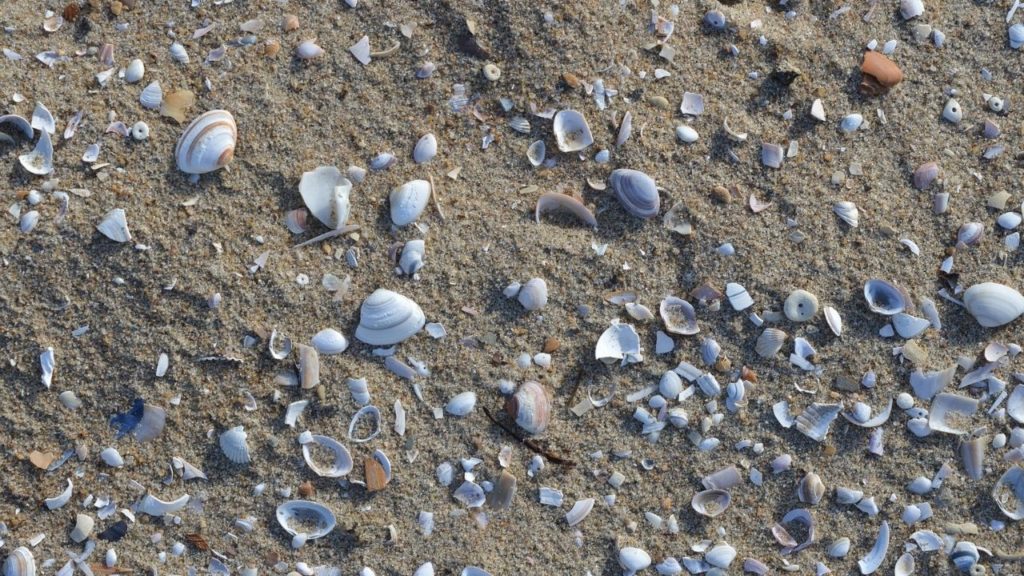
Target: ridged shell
152,96
530,407
408,201
311,514
636,191
326,194
233,444
115,226
710,503
20,563
884,298
425,149
815,420
993,304
329,341
572,131
207,144
342,459
534,294
387,318
770,342
178,53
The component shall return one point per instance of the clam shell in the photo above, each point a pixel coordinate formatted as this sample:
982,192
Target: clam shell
20,562
970,234
40,160
552,201
308,49
317,520
411,260
534,294
847,212
904,565
134,71
571,131
834,320
425,149
207,144
770,342
679,316
382,161
1008,493
42,119
925,175
309,366
461,404
19,124
342,459
720,556
811,489
387,318
530,407
233,444
536,152
408,201
619,342
885,298
711,502
1015,34
633,560
371,412
840,548
114,225
83,527
329,341
800,306
151,96
111,457
178,53
325,192
636,191
993,304
871,562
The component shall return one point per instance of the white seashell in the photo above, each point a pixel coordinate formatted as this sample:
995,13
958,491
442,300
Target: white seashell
114,225
427,568
1016,35
178,53
411,260
840,548
233,444
952,112
633,560
42,119
20,562
359,389
530,407
83,527
816,419
911,8
154,506
382,161
308,365
40,160
154,418
834,320
19,124
818,110
325,192
361,50
470,494
993,304
811,489
134,72
46,365
715,19
885,298
387,318
425,149
342,459
207,144
720,556
426,70
152,95
308,49
800,306
636,191
710,502
1015,404
111,457
625,129
534,294
770,342
687,134
1008,493
619,342
408,201
850,123
571,131
329,341
738,297
28,221
461,404
908,326
972,454
187,470
944,405
282,352
61,499
692,104
869,563
679,316
847,212
772,155
969,234
1009,220
536,152
310,519
371,412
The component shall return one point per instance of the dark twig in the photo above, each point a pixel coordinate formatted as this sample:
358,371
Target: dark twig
528,442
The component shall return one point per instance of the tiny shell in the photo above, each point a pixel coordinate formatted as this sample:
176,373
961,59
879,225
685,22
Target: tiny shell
534,294
408,201
850,123
815,420
425,149
847,212
111,457
233,444
361,50
686,134
461,404
40,160
572,131
692,104
114,225
772,155
811,489
770,342
834,320
152,95
952,112
178,53
579,511
536,152
308,365
329,341
411,260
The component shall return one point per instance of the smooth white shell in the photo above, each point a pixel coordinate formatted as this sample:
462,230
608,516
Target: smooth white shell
111,457
619,342
461,404
207,144
686,134
411,260
83,527
993,304
633,560
425,149
154,506
342,463
318,515
40,160
408,201
329,341
387,318
534,294
325,192
1016,35
134,71
115,226
233,444
572,131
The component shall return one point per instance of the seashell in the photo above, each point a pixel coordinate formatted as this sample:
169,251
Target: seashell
818,110
625,129
282,352
908,326
61,499
425,149
46,366
536,152
371,412
411,260
993,304
297,221
1015,404
382,161
709,352
692,104
633,560
151,424
834,320
111,457
885,298
1015,34
470,494
969,234
387,318
815,420
360,391
711,502
329,341
474,571
911,8
234,446
1008,493
316,520
636,191
850,123
134,72
408,201
945,404
325,192
28,221
114,225
308,365
20,562
42,119
772,155
550,201
720,556
800,306
754,566
952,112
800,516
178,53
1009,220
377,470
361,50
811,489
308,49
154,506
723,479
571,131
770,342
40,160
19,124
520,124
738,297
83,527
847,212
679,316
530,407
342,459
715,19
869,563
427,568
686,134
461,404
619,342
879,74
861,415
840,548
207,144
972,454
152,96
534,294
848,495
964,556
925,175
426,70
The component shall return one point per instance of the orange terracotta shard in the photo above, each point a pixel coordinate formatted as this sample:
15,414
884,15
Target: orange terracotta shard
879,74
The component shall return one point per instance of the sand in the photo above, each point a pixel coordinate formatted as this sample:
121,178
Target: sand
293,116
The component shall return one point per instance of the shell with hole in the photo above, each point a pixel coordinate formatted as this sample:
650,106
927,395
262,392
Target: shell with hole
408,201
572,131
325,192
636,191
387,318
207,144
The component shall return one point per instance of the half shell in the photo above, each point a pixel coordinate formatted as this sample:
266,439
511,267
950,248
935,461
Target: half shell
679,316
115,226
304,517
993,304
530,407
20,563
619,342
710,503
329,341
1009,493
342,459
233,444
885,298
40,160
408,201
534,294
571,131
387,318
636,191
326,194
207,144
425,149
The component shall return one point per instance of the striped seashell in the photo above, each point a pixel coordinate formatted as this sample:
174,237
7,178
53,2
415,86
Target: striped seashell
234,446
152,95
387,318
409,201
207,144
20,563
178,53
637,192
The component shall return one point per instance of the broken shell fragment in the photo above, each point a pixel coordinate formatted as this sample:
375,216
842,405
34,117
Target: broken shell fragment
83,527
619,342
534,294
636,191
425,149
115,226
572,131
847,212
530,407
993,304
710,503
325,192
371,412
770,342
871,562
309,366
679,316
461,404
536,152
207,144
341,463
1008,493
387,318
153,506
816,419
550,202
20,563
40,160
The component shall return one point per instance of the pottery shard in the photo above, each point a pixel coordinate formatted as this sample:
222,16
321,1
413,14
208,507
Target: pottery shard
879,74
376,477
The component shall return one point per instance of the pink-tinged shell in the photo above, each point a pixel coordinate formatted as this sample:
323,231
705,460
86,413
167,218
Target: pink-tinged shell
297,220
925,175
530,406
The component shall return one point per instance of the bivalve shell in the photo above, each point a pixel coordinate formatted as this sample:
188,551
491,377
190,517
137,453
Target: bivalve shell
134,71
20,562
329,341
633,560
679,316
847,212
316,519
993,304
341,463
572,131
770,342
925,175
636,191
152,95
534,294
1008,493
425,149
411,260
461,404
308,49
885,298
811,489
387,318
530,407
536,153
40,160
325,193
233,444
408,201
114,225
1016,35
178,53
207,144
710,503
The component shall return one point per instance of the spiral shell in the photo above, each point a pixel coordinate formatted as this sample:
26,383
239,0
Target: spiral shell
207,144
637,192
387,318
408,201
530,406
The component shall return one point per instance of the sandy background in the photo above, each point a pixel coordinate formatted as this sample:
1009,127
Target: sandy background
293,116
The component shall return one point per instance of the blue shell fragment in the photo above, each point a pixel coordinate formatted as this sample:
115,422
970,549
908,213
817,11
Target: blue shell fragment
127,421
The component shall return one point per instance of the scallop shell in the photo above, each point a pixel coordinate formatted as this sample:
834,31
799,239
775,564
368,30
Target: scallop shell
387,318
1008,493
993,304
152,95
234,446
571,131
411,260
885,298
679,316
207,144
530,407
711,502
115,226
317,520
329,341
342,463
534,294
20,562
325,193
40,160
619,342
425,149
847,212
770,342
536,152
408,201
800,306
461,404
636,191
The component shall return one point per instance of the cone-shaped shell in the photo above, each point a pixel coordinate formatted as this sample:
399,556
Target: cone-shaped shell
387,318
207,144
637,192
408,201
325,192
530,406
993,304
